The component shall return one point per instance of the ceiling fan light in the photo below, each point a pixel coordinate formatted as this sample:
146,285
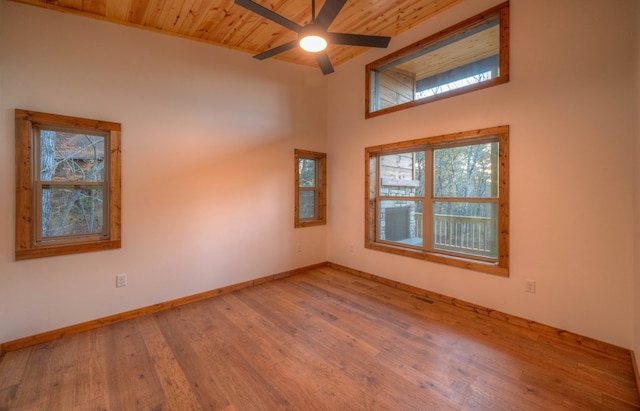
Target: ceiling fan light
313,43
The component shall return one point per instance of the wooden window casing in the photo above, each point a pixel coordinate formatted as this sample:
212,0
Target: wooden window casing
29,241
317,189
498,261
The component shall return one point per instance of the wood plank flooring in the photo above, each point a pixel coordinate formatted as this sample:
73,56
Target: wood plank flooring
321,340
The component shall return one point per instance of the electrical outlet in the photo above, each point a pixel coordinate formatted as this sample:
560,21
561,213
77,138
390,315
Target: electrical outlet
121,280
350,248
299,248
531,286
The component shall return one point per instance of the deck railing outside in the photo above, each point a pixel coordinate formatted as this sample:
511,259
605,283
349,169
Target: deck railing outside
470,235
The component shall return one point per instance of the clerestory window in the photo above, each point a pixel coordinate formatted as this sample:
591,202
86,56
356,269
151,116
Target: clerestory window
442,199
67,185
468,56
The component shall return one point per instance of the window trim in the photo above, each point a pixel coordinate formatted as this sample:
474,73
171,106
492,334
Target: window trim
501,10
320,188
499,267
27,220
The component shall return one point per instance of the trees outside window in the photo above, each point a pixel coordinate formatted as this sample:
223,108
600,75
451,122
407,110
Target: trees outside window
310,188
442,199
67,185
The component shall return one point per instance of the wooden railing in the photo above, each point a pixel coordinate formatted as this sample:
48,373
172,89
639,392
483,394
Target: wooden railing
462,234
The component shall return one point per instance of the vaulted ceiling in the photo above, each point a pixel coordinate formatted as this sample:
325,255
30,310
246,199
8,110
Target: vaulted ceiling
223,23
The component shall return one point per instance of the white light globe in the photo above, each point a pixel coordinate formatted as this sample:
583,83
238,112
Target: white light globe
313,43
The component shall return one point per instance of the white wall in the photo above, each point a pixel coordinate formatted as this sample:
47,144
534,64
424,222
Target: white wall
208,139
570,107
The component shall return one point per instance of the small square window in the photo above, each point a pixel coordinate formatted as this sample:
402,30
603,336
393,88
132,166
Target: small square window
68,185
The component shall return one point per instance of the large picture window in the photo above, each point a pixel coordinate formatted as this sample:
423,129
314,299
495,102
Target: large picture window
442,199
67,185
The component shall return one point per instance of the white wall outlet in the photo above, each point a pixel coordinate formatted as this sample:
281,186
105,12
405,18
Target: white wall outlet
350,248
299,248
121,280
530,286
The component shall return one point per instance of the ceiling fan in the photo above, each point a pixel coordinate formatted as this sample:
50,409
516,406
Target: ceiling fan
314,37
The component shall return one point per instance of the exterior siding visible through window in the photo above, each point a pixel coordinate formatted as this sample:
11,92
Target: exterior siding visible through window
67,185
442,199
310,188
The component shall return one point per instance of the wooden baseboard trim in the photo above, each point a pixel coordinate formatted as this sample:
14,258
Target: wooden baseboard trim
636,370
546,330
112,319
549,331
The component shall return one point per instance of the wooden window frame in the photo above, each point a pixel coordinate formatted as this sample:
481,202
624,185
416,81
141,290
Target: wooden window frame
28,244
499,265
434,41
320,188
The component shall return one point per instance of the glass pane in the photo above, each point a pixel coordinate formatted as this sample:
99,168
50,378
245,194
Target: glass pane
307,203
401,222
402,174
71,211
467,171
307,172
466,228
71,157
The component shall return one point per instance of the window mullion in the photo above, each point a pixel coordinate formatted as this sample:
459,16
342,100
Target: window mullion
74,184
467,199
427,206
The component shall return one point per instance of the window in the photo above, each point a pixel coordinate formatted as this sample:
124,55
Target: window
468,56
67,185
442,199
311,184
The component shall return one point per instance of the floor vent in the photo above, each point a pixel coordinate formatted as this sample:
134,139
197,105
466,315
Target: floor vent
421,298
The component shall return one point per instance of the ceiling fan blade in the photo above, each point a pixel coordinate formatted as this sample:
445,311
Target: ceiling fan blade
324,63
348,39
276,50
268,14
329,12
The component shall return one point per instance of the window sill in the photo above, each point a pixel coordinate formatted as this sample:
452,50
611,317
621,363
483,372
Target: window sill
310,223
52,251
455,261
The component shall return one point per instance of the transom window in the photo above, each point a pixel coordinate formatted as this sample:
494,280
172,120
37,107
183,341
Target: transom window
310,188
442,199
468,56
68,191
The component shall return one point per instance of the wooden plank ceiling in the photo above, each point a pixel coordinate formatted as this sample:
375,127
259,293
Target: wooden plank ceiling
222,23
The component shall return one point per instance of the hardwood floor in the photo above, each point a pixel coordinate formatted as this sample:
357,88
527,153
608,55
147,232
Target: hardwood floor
321,340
